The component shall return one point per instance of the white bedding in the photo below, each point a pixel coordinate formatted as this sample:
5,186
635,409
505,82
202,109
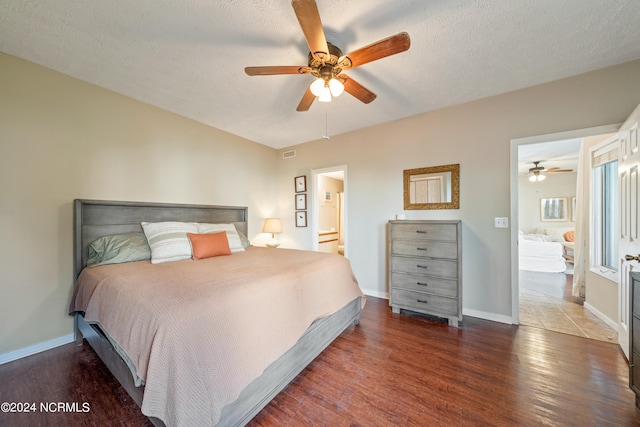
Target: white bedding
541,256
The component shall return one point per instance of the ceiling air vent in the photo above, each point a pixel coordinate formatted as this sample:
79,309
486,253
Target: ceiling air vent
289,154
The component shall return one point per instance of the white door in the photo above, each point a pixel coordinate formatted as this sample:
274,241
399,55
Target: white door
629,247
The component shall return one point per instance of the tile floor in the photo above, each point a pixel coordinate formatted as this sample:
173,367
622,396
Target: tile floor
545,307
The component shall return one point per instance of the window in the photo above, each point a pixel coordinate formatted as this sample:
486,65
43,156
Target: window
604,196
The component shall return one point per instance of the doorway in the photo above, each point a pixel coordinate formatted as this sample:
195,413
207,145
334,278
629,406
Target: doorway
547,187
550,288
329,210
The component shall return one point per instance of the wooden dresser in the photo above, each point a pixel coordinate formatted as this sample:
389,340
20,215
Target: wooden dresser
425,268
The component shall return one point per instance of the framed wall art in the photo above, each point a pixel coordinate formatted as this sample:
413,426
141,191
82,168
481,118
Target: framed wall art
301,202
300,183
301,218
554,209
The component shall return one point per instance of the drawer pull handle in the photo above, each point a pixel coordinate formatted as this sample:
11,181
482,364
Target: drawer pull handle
422,249
421,231
421,266
424,301
422,283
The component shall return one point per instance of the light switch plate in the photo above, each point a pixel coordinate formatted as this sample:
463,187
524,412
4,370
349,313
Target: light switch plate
501,222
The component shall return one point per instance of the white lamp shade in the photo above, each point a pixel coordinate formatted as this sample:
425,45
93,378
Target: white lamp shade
317,87
325,96
272,225
336,87
537,178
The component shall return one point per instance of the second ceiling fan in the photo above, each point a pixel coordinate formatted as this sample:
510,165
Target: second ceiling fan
537,171
327,62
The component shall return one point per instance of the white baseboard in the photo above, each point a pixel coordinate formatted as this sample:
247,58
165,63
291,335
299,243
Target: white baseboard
35,348
383,295
488,316
473,313
601,316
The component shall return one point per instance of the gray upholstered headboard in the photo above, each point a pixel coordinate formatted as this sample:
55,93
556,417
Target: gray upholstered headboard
97,218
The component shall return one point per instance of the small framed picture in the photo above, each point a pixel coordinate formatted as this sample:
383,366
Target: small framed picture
300,183
301,218
327,196
301,202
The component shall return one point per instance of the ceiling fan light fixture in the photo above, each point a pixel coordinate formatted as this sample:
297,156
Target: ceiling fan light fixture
327,61
336,87
317,87
325,96
536,177
324,89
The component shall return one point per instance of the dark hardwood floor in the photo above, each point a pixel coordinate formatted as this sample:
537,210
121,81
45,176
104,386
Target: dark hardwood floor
391,370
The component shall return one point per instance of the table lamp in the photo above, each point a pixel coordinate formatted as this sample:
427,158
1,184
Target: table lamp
273,226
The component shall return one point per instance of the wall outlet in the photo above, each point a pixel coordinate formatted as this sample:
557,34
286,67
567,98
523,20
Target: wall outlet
501,222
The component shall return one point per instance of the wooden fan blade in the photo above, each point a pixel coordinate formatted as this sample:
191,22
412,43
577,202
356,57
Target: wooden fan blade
356,89
274,70
309,19
307,100
551,170
380,49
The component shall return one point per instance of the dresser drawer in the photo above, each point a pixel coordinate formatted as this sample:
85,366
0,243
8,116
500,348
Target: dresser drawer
421,283
429,248
425,303
425,231
425,266
636,335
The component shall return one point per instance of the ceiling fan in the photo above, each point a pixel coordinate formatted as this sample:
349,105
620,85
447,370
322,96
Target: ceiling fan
537,171
327,62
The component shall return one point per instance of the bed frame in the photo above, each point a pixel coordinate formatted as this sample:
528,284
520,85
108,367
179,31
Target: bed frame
95,218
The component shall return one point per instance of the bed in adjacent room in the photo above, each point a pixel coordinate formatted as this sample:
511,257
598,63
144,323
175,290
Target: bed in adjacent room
537,254
205,341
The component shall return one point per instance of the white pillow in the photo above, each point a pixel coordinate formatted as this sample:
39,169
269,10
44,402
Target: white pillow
554,234
534,237
235,244
168,240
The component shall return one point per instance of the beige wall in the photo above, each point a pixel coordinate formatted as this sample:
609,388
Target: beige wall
63,139
601,294
477,135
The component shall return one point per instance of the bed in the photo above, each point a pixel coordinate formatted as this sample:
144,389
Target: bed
182,361
536,254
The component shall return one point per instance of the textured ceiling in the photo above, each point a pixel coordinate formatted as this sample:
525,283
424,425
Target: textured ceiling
188,57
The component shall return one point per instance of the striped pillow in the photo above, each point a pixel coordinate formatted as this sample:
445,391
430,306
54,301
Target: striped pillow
235,244
168,240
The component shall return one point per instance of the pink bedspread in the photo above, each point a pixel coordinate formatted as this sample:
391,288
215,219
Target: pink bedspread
198,332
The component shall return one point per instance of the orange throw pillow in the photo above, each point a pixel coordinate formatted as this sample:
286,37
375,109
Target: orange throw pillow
209,245
569,236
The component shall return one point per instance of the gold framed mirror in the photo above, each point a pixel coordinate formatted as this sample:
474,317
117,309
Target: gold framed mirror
436,187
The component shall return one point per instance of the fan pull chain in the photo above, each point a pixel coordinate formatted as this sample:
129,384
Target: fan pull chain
326,124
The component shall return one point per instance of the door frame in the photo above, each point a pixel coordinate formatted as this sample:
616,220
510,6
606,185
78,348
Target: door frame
515,143
315,208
